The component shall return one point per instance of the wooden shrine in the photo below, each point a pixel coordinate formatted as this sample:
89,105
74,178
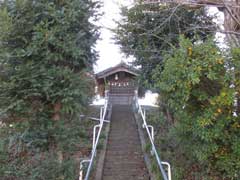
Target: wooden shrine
120,81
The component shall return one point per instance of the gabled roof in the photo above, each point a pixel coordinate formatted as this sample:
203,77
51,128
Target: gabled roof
118,68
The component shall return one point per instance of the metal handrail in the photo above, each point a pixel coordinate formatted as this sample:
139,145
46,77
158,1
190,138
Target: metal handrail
169,169
150,136
94,119
95,141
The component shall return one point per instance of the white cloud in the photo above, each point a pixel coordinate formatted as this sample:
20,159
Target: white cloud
219,19
109,53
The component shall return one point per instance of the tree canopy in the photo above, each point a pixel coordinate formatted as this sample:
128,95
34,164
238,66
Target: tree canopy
198,86
148,31
46,58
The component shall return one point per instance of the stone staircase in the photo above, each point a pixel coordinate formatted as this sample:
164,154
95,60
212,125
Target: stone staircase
123,99
124,157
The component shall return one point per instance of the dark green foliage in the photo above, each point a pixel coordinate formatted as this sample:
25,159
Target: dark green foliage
48,47
148,31
198,87
46,58
30,156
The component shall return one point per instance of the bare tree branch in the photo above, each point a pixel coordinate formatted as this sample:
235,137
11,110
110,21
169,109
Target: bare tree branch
231,13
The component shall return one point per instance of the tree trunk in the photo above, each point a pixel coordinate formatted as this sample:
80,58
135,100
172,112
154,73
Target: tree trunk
56,117
56,111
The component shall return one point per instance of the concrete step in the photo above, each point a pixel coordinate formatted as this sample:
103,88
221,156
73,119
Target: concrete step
121,177
125,164
124,158
137,172
127,153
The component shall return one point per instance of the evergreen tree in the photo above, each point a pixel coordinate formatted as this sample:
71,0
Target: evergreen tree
147,31
47,53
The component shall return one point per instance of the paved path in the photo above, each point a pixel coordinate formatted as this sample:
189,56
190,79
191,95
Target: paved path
124,157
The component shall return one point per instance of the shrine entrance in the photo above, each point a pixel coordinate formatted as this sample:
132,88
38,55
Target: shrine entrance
119,81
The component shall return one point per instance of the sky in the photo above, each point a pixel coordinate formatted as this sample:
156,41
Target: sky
219,19
109,53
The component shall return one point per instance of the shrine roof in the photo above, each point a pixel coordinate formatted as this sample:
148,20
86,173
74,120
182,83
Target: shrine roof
121,67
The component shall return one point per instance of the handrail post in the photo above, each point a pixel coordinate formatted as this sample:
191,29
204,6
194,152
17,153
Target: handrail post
169,170
144,114
152,136
94,137
81,168
101,112
144,117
